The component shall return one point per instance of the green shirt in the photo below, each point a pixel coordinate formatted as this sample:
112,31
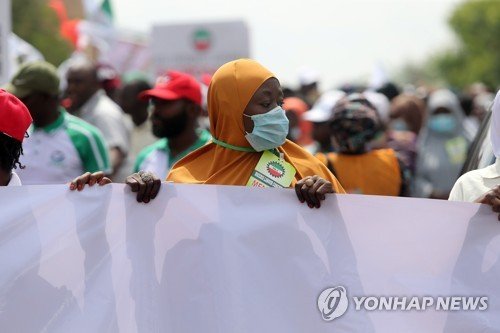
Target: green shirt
63,150
157,158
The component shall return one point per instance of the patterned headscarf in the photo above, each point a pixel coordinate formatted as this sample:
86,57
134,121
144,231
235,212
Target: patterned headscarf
354,123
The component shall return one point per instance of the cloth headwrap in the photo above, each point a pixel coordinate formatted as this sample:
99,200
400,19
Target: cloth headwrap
353,125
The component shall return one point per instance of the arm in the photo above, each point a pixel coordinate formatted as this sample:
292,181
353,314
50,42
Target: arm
117,157
117,135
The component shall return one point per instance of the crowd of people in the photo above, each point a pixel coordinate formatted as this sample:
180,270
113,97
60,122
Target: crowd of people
80,124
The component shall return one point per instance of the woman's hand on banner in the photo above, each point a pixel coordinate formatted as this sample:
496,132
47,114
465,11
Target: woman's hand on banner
146,184
312,189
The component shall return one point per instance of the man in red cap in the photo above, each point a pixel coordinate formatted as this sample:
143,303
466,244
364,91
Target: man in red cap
15,120
176,105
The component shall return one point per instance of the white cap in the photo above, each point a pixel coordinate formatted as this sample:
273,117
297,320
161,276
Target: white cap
308,76
322,109
380,102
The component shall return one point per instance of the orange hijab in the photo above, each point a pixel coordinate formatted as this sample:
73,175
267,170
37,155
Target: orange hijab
231,88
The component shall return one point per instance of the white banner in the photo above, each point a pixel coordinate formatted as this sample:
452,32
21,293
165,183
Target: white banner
199,48
5,26
205,258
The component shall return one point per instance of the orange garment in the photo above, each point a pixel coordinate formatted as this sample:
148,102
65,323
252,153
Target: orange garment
299,107
376,172
231,88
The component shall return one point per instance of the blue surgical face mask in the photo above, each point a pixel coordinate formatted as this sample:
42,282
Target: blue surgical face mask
443,123
399,125
269,129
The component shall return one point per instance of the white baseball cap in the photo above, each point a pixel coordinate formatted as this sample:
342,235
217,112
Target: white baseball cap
380,102
322,109
308,76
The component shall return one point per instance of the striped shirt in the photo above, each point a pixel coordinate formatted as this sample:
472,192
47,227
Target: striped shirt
61,151
158,159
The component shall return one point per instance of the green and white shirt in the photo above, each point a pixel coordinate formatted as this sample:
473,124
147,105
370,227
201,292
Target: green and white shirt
61,151
157,158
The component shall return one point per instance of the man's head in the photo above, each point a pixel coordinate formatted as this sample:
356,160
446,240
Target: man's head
110,80
309,79
36,84
82,82
176,104
390,90
130,102
15,120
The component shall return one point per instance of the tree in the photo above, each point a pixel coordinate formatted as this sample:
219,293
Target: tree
35,22
476,24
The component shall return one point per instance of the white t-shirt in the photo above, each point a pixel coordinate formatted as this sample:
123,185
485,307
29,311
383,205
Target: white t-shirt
108,117
472,185
65,149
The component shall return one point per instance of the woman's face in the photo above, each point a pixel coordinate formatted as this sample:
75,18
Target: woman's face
267,97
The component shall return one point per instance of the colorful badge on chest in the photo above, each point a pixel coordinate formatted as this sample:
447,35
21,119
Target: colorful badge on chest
271,171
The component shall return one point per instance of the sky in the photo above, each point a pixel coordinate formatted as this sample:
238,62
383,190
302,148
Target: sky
342,39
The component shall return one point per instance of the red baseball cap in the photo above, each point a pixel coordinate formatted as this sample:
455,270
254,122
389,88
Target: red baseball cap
15,119
174,86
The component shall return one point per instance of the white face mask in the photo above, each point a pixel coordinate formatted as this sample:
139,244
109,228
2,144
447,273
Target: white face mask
269,129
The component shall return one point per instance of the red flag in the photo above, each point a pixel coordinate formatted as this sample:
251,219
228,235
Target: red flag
68,28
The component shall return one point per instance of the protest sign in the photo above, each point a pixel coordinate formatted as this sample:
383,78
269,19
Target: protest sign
203,258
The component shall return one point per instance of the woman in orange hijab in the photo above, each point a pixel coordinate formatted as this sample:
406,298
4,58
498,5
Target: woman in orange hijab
241,90
246,121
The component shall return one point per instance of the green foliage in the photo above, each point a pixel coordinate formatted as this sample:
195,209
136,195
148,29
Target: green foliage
476,23
420,73
35,22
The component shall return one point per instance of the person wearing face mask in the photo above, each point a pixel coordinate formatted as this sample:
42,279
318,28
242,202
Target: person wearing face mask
249,145
442,147
175,102
354,122
407,114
